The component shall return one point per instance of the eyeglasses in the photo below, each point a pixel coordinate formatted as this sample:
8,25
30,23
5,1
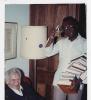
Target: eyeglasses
68,27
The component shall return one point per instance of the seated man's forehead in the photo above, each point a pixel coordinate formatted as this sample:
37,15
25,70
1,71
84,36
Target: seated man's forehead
14,76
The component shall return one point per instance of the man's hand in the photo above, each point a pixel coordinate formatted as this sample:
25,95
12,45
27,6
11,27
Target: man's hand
51,38
76,83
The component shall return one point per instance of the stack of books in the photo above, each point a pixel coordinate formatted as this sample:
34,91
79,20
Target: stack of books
78,67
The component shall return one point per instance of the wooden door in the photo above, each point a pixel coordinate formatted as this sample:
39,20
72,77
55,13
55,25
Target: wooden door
50,15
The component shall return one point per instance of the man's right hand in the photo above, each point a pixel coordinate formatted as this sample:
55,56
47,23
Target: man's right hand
50,38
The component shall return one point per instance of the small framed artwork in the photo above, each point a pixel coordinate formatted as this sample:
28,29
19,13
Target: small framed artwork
11,29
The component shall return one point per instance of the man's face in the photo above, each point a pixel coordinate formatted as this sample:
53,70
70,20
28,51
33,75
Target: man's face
69,29
14,81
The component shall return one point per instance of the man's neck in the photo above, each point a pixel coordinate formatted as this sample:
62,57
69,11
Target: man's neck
15,87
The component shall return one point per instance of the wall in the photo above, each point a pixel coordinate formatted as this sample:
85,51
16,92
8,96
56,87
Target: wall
17,13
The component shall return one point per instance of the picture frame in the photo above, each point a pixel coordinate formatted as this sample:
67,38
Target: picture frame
11,29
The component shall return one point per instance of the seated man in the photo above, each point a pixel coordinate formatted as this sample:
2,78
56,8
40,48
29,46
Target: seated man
14,90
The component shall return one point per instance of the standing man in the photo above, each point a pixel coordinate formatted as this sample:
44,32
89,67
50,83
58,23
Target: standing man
72,45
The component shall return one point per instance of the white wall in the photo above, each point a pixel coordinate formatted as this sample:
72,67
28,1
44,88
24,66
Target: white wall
17,13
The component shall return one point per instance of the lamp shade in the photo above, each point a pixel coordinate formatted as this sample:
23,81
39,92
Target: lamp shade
33,42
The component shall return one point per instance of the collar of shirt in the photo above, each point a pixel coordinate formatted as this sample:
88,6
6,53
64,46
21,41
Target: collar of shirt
19,92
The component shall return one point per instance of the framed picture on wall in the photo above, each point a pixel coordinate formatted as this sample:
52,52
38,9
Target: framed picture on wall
11,29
